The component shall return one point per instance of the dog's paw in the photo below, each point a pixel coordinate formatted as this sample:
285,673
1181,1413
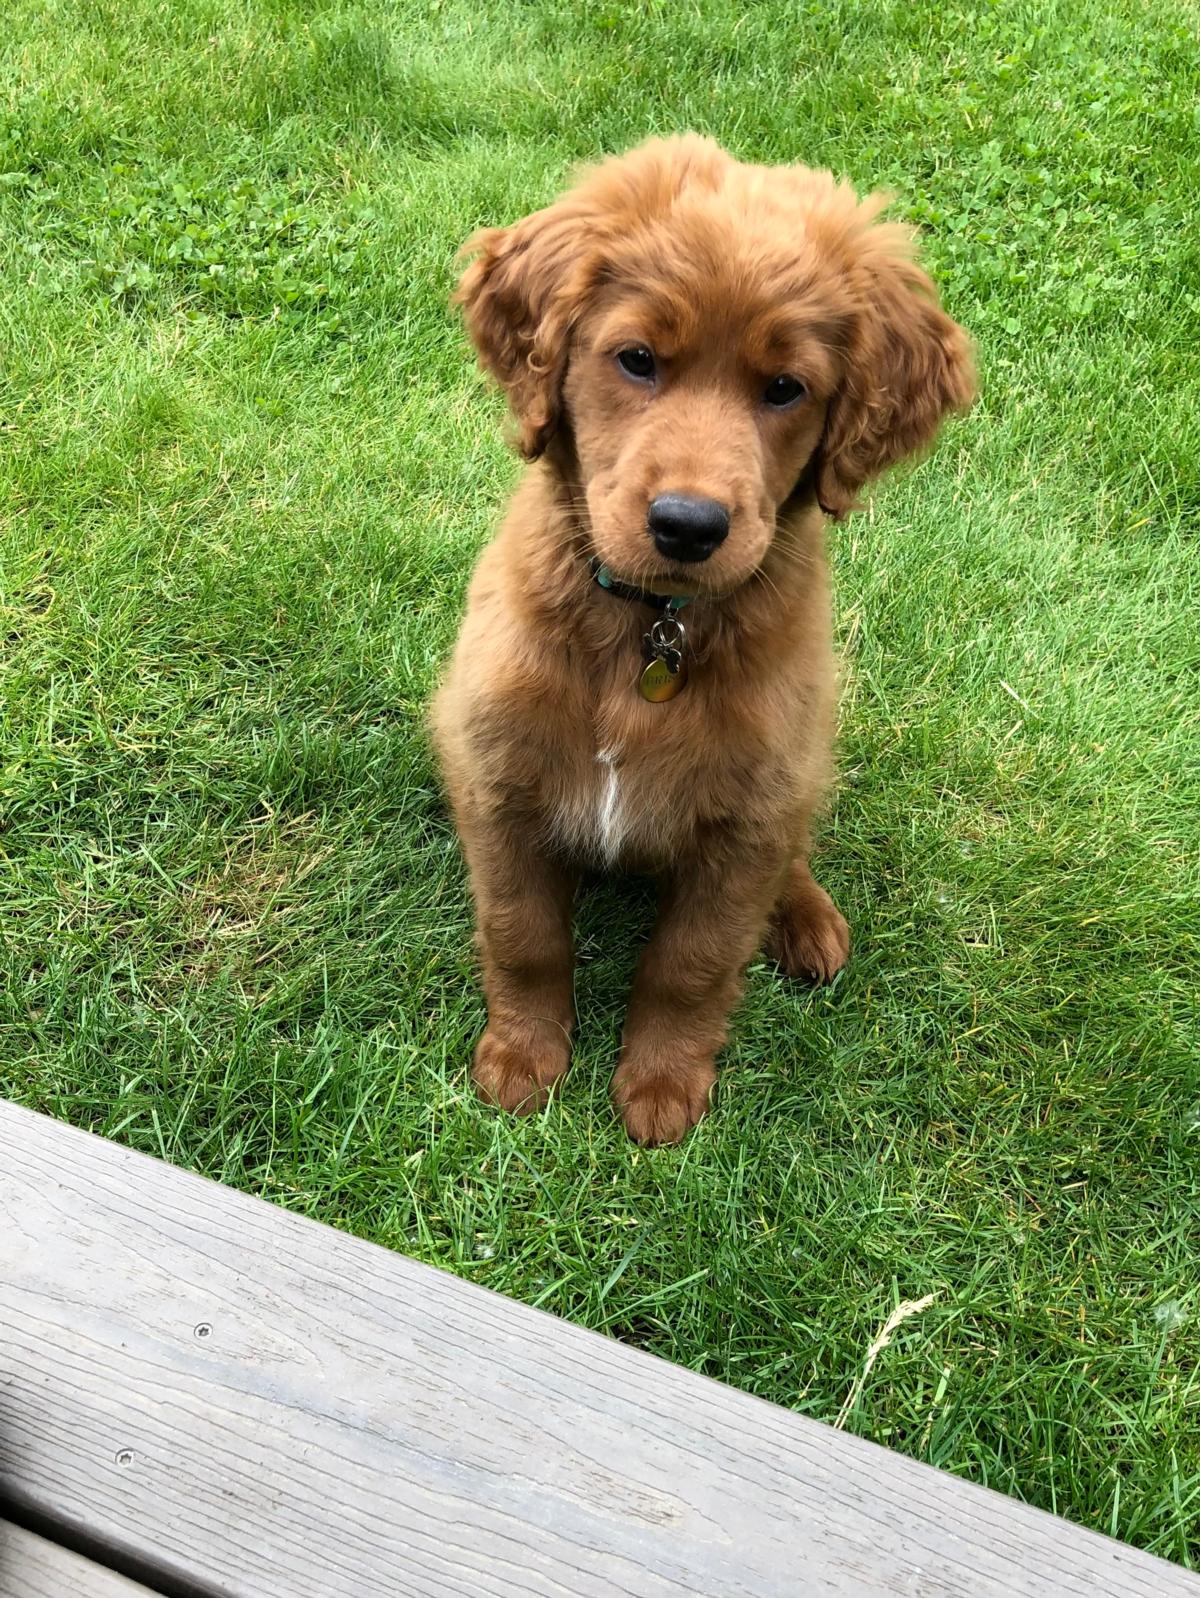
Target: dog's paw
661,1106
809,936
518,1077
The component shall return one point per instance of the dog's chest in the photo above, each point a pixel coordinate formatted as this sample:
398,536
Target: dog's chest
636,783
629,803
595,807
611,816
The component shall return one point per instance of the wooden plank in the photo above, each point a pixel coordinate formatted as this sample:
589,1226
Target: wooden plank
233,1397
31,1567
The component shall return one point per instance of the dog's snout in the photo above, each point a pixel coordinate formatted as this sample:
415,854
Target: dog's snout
687,527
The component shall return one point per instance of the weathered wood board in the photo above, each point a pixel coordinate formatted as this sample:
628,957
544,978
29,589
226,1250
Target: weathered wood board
250,1404
31,1567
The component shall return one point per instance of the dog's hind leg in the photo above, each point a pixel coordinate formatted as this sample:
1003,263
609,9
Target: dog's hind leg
808,936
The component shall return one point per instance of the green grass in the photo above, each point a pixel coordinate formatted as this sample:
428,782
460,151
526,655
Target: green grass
247,464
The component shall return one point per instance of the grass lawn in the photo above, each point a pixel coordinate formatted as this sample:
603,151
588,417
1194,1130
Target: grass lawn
247,464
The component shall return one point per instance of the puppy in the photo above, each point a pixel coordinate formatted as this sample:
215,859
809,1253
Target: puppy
704,361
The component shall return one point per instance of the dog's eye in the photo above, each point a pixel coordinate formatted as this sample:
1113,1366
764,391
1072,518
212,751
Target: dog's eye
781,391
637,361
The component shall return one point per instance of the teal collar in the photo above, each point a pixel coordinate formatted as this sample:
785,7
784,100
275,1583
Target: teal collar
670,603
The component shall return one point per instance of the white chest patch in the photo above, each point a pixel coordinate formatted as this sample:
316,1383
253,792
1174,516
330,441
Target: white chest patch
610,819
593,819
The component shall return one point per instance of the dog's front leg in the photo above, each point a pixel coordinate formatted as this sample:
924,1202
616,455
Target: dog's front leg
711,921
523,903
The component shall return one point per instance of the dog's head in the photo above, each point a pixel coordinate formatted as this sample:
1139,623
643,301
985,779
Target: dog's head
708,338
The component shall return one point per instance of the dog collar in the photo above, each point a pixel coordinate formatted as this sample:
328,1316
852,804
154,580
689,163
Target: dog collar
664,646
671,603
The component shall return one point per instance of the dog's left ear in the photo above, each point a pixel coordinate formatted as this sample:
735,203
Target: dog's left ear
520,296
909,364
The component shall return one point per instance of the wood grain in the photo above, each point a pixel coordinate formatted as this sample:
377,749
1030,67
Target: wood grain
226,1394
31,1567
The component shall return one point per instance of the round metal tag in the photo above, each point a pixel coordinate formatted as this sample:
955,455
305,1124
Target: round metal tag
657,684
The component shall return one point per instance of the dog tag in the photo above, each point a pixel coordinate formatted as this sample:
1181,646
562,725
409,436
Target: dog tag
658,682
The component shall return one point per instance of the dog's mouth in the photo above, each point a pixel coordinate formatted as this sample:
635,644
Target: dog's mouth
674,545
663,578
668,579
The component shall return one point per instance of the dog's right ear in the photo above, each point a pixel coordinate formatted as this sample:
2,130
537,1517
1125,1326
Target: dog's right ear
521,295
528,284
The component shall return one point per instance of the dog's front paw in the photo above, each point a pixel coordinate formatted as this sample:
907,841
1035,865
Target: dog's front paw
518,1076
661,1105
809,936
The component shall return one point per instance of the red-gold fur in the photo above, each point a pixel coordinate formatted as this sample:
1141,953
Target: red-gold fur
731,275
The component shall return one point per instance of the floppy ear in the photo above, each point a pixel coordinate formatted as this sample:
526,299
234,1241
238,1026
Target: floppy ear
908,365
520,297
528,284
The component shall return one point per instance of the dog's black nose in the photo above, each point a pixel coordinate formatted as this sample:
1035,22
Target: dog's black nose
686,527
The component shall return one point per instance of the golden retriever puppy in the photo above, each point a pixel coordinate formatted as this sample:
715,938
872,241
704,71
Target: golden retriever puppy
704,360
